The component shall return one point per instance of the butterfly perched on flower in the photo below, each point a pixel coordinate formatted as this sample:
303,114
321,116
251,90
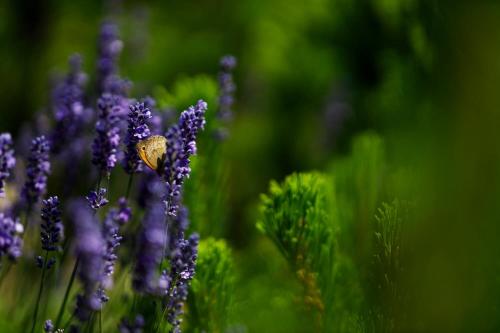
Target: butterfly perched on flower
153,151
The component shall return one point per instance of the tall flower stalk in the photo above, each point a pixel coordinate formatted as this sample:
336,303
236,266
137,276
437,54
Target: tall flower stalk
181,144
51,235
37,171
7,160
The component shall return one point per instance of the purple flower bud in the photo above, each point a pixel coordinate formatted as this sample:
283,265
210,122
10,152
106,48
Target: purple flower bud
48,327
226,87
10,241
97,199
68,107
7,159
37,170
52,230
137,130
107,140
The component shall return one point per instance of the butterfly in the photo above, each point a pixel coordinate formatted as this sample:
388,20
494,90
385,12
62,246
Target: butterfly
153,151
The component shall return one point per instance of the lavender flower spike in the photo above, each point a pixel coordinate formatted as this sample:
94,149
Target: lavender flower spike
110,47
114,219
137,130
68,105
52,230
97,199
226,87
7,160
37,170
151,250
89,249
107,128
10,241
181,140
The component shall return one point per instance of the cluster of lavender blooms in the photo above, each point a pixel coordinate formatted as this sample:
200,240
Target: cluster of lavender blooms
51,230
37,171
181,145
109,48
11,242
7,160
162,237
96,252
115,218
227,87
107,140
97,199
137,130
89,251
69,111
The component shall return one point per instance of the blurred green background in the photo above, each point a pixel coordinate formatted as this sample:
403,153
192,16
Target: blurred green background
312,76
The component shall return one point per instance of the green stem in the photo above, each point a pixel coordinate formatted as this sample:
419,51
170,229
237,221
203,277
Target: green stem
66,294
100,321
4,272
35,315
129,185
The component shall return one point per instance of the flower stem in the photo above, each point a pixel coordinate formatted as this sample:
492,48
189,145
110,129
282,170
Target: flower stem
66,294
44,269
4,270
129,185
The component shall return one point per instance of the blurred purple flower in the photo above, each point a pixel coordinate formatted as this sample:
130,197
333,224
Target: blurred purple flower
226,87
37,170
137,130
107,140
98,199
132,327
89,249
151,250
7,160
10,241
48,326
109,49
68,107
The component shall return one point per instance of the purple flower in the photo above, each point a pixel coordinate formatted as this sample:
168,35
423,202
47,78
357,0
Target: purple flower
182,254
137,130
68,106
111,227
109,49
7,159
48,326
107,128
89,249
151,188
132,327
226,87
181,140
52,231
151,249
98,199
37,170
10,241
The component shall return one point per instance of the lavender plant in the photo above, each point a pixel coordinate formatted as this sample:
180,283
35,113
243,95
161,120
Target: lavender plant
7,160
37,171
155,231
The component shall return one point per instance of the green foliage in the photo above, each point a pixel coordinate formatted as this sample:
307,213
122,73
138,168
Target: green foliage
210,298
388,266
188,90
301,217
